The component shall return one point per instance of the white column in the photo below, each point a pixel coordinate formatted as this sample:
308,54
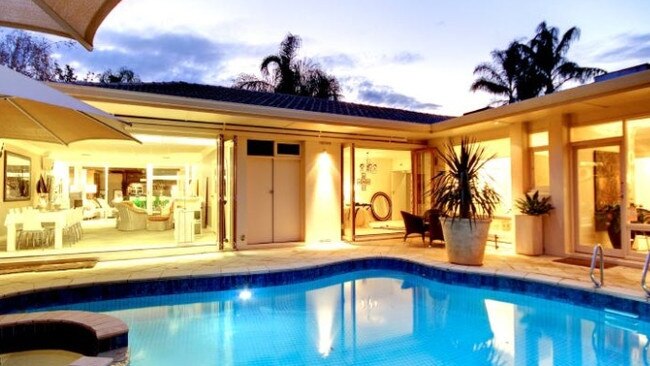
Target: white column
519,169
557,235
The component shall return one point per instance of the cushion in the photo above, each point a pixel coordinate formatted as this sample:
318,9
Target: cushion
157,218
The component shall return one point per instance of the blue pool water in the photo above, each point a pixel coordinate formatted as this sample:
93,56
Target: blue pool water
372,317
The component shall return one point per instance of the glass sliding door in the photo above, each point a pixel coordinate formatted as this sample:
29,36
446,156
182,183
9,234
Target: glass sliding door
638,176
377,185
598,198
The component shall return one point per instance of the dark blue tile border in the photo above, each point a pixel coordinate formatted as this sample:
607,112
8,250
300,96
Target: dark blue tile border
116,290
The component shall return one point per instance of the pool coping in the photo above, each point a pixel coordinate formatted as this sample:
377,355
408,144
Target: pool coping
565,290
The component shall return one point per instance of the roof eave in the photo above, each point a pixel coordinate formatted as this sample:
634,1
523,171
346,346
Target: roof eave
565,97
91,93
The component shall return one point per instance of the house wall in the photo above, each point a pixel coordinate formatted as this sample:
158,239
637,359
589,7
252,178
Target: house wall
322,192
320,197
241,201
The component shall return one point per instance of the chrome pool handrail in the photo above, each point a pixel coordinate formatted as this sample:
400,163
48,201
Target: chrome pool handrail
598,252
644,286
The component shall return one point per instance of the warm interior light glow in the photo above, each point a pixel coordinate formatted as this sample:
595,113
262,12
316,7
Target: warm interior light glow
324,187
538,139
91,188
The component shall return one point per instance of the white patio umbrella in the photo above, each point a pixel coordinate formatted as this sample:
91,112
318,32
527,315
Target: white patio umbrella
76,19
31,110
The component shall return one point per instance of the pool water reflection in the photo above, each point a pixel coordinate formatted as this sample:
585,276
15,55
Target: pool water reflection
372,318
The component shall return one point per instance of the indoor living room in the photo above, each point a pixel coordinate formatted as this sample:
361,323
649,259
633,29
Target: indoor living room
96,196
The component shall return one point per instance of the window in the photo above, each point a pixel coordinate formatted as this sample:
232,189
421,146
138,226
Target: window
271,148
288,149
260,147
540,165
596,132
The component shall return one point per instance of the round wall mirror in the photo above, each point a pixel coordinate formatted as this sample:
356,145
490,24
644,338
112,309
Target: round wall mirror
381,206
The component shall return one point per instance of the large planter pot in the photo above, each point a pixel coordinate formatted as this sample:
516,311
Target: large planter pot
529,235
465,244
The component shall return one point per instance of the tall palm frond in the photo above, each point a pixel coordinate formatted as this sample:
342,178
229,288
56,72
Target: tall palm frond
549,56
506,76
540,66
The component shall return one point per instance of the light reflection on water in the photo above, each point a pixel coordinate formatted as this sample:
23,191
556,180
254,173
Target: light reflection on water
372,318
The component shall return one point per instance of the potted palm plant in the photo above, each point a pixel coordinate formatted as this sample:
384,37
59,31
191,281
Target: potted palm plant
465,201
529,238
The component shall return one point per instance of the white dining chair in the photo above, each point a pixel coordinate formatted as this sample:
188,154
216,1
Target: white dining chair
70,228
78,219
33,230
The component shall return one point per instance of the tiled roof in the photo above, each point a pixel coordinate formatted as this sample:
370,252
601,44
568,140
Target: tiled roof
224,94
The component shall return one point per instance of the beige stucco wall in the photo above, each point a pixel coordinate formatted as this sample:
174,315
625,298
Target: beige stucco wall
322,192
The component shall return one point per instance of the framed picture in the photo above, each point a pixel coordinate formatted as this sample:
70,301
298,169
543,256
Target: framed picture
17,177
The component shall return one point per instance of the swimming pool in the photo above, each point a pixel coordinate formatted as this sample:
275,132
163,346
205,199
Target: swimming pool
371,317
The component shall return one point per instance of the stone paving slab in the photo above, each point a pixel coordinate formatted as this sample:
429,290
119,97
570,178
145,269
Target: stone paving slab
620,280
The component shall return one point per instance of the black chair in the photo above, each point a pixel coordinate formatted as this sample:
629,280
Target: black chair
413,224
433,225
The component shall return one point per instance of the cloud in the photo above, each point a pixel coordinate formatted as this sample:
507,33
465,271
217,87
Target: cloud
404,58
629,47
383,95
337,60
160,57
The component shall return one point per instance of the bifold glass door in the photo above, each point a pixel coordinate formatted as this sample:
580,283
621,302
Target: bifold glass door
225,187
347,167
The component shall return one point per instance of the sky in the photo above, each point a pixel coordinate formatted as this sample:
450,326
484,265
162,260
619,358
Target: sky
410,54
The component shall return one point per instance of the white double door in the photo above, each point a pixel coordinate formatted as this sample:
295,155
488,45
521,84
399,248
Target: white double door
273,200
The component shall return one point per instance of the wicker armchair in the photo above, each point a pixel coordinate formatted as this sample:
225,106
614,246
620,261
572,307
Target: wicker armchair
130,217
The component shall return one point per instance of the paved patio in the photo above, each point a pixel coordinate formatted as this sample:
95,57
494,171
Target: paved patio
619,280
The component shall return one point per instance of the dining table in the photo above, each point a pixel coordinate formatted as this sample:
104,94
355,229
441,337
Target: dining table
14,219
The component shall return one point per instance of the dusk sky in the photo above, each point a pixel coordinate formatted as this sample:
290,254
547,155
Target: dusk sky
411,54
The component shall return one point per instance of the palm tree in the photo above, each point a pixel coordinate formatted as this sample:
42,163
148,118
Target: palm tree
526,70
286,75
283,73
316,83
549,56
510,75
